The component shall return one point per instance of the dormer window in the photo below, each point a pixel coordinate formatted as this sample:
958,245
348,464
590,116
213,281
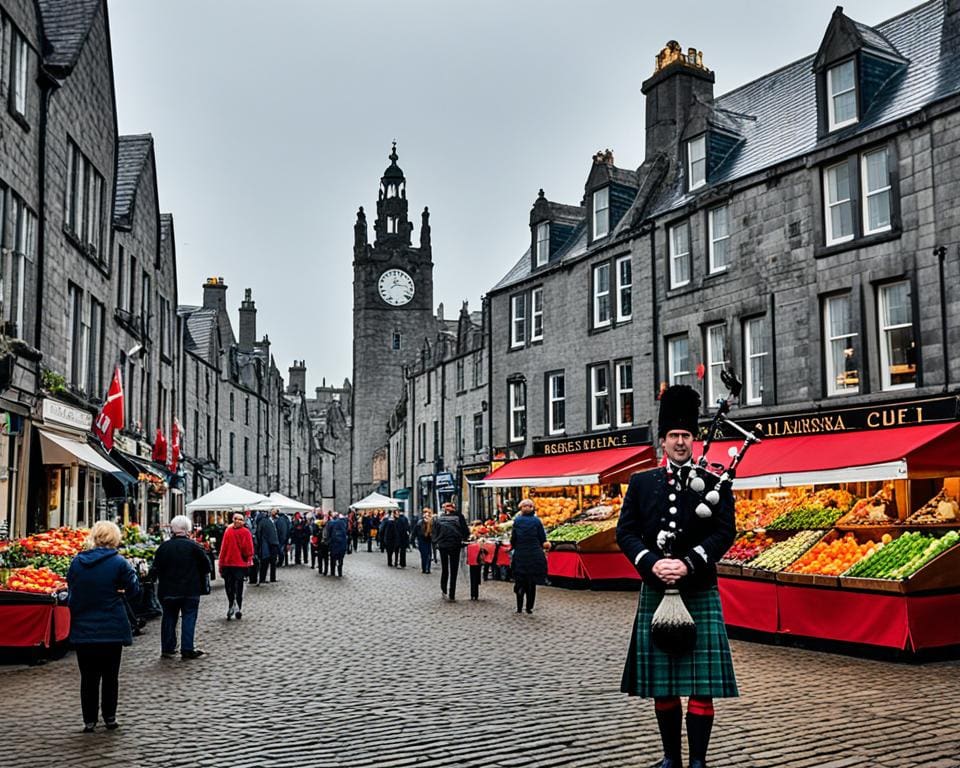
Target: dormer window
601,213
543,243
697,162
841,95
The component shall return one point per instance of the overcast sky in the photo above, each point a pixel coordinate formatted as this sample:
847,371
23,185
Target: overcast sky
272,123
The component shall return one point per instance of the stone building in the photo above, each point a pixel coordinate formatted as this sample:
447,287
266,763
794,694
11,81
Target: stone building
392,315
438,431
330,416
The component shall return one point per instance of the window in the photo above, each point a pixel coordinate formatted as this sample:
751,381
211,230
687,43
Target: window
543,243
556,404
145,305
755,349
624,289
697,162
18,74
231,406
391,189
78,336
397,343
517,391
209,438
460,383
421,442
93,382
679,255
246,410
429,388
25,234
478,431
898,364
839,205
518,320
601,213
601,295
458,435
841,346
131,282
716,361
392,223
123,291
678,360
165,336
477,369
83,206
599,397
841,96
624,384
536,314
196,432
436,439
233,439
718,223
876,192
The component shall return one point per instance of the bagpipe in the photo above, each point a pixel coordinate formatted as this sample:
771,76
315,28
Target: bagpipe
672,628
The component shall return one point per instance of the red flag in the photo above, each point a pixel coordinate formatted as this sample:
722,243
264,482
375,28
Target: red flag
160,448
111,415
174,445
701,371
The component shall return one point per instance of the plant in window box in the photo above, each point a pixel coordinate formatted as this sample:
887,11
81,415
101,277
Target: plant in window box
53,382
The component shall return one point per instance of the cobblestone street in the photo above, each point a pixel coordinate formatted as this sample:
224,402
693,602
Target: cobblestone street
376,670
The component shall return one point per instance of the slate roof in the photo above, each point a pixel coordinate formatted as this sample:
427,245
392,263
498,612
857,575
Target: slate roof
66,24
166,226
874,39
132,154
200,326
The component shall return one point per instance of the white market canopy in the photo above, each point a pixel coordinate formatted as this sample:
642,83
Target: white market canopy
284,503
227,497
376,501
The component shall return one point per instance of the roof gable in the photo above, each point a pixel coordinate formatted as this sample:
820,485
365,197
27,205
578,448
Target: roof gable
845,37
66,26
133,153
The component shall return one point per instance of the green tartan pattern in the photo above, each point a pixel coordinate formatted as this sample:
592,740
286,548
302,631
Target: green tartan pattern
708,671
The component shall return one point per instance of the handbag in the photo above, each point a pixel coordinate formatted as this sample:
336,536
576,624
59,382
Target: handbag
205,587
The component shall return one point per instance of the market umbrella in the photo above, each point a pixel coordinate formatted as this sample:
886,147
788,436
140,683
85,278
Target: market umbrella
227,497
279,501
376,501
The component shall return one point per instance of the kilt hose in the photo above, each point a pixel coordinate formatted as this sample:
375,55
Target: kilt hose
707,671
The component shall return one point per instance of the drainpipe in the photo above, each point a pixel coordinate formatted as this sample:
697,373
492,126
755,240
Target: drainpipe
655,310
941,253
48,84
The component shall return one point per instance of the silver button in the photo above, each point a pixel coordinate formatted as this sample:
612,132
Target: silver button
673,497
673,510
673,524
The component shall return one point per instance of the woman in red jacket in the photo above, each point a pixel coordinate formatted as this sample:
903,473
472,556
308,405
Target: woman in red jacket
236,557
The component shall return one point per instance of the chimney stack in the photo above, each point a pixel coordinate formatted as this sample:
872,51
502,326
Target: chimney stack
248,322
215,294
298,377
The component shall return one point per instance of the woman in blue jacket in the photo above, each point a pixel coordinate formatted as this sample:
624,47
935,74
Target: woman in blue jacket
98,579
528,540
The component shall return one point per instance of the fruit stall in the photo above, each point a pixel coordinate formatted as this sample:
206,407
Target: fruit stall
577,496
851,537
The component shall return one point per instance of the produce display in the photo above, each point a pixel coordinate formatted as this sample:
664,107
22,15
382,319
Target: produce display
555,510
942,508
758,513
904,556
52,550
573,532
747,547
490,529
778,556
30,579
879,509
834,557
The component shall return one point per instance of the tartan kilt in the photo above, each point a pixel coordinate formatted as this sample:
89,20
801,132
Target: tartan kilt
708,671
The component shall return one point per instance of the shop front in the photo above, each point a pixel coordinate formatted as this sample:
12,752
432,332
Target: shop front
849,526
154,498
474,502
577,484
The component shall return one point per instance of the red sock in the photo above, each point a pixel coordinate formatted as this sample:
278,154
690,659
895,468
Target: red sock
700,705
666,703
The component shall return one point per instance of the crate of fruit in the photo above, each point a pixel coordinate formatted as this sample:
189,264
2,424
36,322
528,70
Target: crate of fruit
778,556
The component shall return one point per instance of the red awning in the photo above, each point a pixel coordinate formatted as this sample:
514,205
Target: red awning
927,450
611,465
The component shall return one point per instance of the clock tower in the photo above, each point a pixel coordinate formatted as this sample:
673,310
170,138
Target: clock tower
392,315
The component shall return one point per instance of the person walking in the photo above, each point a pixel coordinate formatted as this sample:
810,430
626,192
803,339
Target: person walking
282,523
323,546
449,532
100,580
665,534
423,538
300,536
353,528
182,569
401,527
335,532
268,546
236,555
528,540
372,523
316,531
387,536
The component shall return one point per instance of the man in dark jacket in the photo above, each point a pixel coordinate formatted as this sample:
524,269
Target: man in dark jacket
300,535
182,568
282,522
401,527
267,546
450,530
386,535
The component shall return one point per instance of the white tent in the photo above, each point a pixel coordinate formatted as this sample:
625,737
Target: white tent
284,503
376,501
227,497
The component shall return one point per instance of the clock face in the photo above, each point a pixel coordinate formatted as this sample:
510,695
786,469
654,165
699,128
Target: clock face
396,287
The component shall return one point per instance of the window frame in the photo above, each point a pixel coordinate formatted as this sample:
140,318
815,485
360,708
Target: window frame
621,390
829,206
461,382
832,125
552,399
866,194
518,320
598,295
536,315
749,337
698,181
713,380
596,394
542,257
478,431
712,241
830,374
675,256
672,374
883,330
623,287
516,391
19,73
599,213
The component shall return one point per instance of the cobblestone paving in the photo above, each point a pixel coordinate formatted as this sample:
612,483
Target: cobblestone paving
376,670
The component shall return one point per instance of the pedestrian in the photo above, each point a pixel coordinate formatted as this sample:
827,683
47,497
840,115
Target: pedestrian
282,523
316,531
268,546
323,546
528,542
249,522
373,523
100,580
449,532
300,536
335,533
353,528
401,527
423,538
236,555
386,535
662,532
182,569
